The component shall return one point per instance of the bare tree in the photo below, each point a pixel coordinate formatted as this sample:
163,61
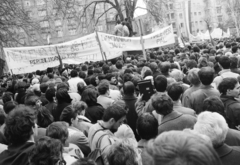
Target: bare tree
12,18
233,9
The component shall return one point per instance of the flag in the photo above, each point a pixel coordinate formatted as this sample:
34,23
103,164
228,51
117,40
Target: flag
140,9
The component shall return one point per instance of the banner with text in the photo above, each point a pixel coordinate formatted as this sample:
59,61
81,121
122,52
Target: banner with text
29,59
159,38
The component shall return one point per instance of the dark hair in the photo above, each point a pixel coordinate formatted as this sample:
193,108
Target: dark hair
2,117
84,68
74,73
58,130
109,76
227,83
160,83
103,87
49,70
105,68
7,96
114,111
206,75
63,85
233,62
44,117
128,88
175,90
19,125
31,99
147,126
82,74
89,96
84,161
43,87
9,106
63,96
214,104
165,66
50,94
234,49
119,64
224,61
127,77
191,64
68,113
47,151
162,103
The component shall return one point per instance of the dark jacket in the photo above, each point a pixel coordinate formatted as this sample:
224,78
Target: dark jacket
16,155
132,116
94,112
176,121
58,111
229,155
233,137
43,99
232,110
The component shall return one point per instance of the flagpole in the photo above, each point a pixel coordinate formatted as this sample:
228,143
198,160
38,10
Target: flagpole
142,41
100,46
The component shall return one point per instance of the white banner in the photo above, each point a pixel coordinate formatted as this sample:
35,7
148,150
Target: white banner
29,59
159,38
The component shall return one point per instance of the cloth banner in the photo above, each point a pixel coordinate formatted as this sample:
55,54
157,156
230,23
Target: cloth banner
29,59
160,38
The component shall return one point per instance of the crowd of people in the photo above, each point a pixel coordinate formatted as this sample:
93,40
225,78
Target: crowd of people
94,113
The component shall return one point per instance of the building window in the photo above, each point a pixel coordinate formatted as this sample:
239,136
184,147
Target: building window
59,33
27,3
44,24
199,13
42,13
196,23
71,21
195,13
58,22
182,25
220,18
168,16
180,15
201,22
171,6
192,24
172,15
100,28
219,10
40,2
72,31
174,25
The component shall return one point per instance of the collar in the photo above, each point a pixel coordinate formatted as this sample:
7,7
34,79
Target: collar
172,116
104,96
224,71
177,103
206,86
228,97
223,150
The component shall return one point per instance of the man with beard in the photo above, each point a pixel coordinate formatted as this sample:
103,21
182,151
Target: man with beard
102,133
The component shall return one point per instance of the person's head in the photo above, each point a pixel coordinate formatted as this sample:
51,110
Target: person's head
32,101
58,130
153,66
89,96
128,88
114,115
162,103
119,65
206,75
74,73
160,83
175,90
229,87
69,115
213,125
180,147
43,87
103,88
224,62
233,62
234,49
147,126
20,125
63,96
193,77
2,116
63,85
165,68
50,94
123,154
177,75
9,106
80,107
84,161
46,151
7,96
82,74
214,104
191,64
44,117
105,69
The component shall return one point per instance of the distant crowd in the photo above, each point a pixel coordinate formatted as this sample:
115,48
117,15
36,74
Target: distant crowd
94,113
